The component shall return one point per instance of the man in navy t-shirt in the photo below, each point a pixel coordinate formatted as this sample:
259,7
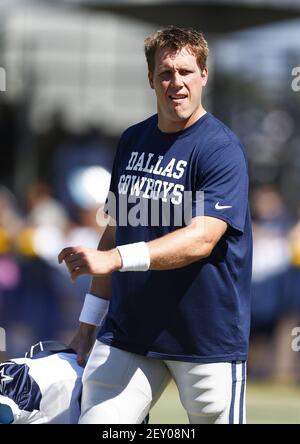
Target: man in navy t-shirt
173,274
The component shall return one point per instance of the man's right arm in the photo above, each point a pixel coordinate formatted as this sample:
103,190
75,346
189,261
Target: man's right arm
102,287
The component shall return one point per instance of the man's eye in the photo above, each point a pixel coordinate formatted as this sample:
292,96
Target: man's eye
165,73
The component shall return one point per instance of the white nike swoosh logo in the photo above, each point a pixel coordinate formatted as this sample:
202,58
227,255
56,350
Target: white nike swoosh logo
222,207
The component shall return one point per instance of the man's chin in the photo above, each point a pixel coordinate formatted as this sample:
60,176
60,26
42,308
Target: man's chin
182,116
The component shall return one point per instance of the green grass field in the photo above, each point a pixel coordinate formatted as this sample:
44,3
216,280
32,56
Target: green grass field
266,404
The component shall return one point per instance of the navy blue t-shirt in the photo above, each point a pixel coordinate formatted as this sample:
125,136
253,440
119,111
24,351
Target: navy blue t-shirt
200,312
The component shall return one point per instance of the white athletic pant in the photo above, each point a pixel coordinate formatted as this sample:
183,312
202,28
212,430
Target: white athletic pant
120,387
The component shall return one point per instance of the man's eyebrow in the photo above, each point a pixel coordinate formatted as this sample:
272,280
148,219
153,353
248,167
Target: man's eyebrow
171,68
187,68
164,67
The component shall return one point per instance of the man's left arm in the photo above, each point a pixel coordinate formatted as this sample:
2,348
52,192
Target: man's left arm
186,245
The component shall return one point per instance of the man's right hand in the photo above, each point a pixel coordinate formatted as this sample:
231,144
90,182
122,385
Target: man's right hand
83,260
83,341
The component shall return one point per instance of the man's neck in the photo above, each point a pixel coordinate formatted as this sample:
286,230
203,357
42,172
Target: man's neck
170,126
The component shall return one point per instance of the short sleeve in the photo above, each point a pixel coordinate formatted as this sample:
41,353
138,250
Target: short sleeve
110,206
111,199
114,175
222,182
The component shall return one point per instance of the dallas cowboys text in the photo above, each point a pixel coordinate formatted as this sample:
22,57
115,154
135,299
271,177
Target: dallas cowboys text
156,200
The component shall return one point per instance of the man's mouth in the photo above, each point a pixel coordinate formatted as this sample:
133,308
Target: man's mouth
177,97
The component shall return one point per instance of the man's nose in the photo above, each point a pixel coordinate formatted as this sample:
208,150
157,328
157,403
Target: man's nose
177,80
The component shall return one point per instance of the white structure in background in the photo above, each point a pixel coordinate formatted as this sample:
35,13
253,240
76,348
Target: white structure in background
266,62
89,67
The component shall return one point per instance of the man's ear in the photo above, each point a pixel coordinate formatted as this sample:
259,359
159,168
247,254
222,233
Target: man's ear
204,75
150,78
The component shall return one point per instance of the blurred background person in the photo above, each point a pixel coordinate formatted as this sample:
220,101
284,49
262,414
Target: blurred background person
271,258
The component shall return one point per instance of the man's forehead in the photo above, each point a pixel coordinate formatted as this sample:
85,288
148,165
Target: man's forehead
171,53
165,55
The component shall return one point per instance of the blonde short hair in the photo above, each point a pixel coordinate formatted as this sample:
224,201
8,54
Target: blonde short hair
176,39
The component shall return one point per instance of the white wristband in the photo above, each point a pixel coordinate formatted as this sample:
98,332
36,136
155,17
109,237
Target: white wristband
94,310
135,257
